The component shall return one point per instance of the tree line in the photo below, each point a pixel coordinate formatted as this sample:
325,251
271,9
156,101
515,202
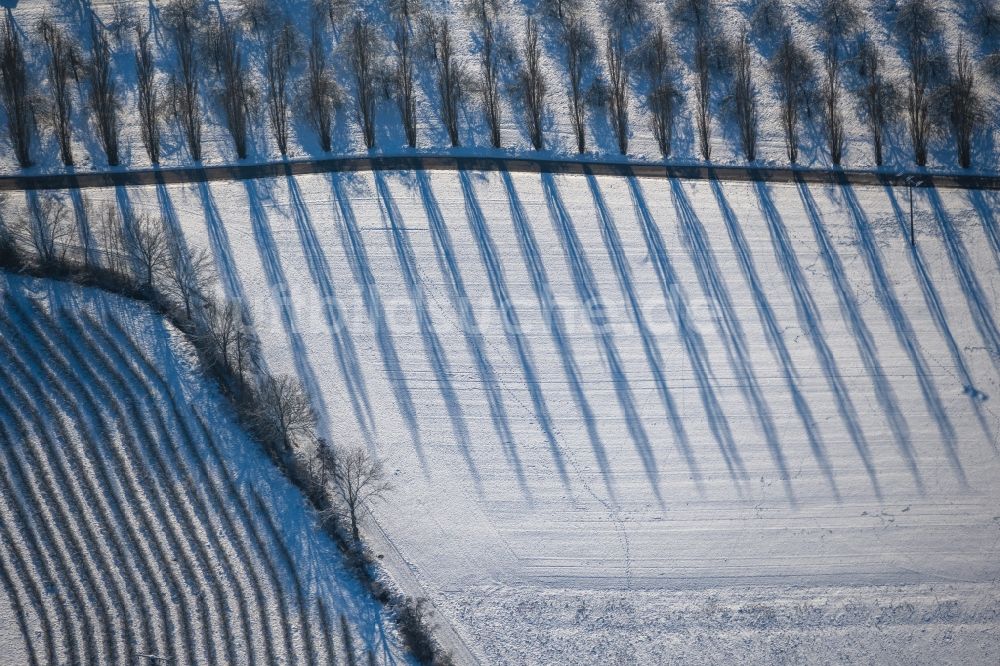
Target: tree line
140,256
254,67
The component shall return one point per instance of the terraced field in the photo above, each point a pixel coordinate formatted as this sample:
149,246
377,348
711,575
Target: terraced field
136,520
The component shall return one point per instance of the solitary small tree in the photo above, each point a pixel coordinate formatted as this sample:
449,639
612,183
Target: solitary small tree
792,73
405,93
579,51
358,479
103,92
235,91
485,16
618,89
50,228
183,19
745,97
146,241
279,50
965,107
362,50
321,90
147,93
917,25
190,279
286,412
532,84
63,62
449,78
876,94
16,93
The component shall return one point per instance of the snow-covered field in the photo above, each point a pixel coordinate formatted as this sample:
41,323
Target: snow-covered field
137,521
630,416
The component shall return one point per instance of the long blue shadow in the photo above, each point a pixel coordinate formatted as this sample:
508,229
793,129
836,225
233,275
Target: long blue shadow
694,346
654,359
86,235
222,249
986,216
886,296
773,333
590,298
933,301
281,292
812,325
979,305
863,339
728,324
432,343
467,320
554,321
180,253
343,345
361,268
501,299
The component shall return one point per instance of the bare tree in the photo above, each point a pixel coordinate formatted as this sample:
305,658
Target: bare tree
579,51
362,48
124,21
235,92
63,59
916,22
146,241
792,74
745,97
16,93
358,479
279,50
986,19
618,97
103,92
405,92
190,279
561,10
698,15
286,411
449,78
876,94
767,18
183,18
114,250
321,90
837,19
532,84
485,15
147,93
51,229
257,15
965,107
624,13
662,95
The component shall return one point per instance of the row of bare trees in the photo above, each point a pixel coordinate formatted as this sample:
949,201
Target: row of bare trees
636,56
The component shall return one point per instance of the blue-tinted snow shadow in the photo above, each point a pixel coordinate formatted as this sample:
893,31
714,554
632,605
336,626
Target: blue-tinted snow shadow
986,215
695,240
467,320
979,304
587,291
886,296
654,359
865,342
505,305
933,301
773,333
343,344
281,292
222,250
432,343
811,325
675,301
350,237
556,326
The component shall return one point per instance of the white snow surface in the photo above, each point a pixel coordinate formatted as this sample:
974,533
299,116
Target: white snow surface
222,478
733,422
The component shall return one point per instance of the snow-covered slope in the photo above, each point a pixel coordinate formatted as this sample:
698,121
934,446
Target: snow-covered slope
749,421
137,519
